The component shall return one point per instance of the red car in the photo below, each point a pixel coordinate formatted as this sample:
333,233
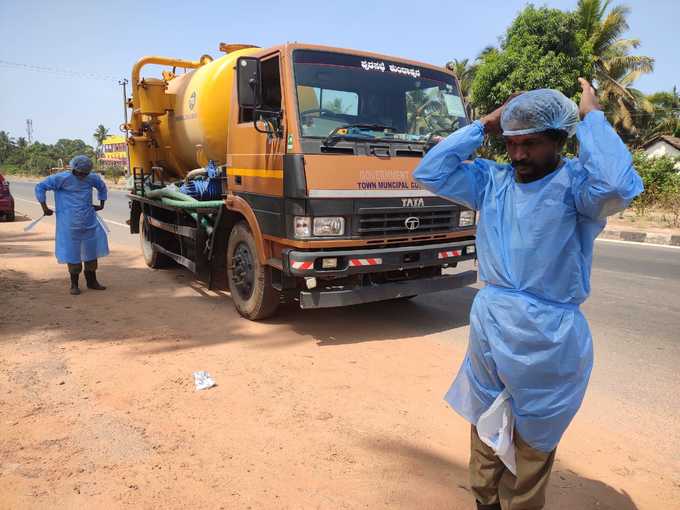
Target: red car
6,200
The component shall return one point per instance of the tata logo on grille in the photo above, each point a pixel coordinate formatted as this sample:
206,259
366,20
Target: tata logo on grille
412,223
412,202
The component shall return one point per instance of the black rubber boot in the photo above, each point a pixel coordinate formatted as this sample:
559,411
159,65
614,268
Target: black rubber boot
92,283
74,284
494,506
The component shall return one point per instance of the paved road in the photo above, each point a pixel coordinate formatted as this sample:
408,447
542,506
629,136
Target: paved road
116,211
634,312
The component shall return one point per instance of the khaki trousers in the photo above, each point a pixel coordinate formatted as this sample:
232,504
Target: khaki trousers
90,265
492,483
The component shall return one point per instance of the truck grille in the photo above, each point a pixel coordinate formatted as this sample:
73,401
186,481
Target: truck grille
391,222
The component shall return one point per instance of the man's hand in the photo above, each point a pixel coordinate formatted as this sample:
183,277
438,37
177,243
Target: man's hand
46,210
589,100
492,121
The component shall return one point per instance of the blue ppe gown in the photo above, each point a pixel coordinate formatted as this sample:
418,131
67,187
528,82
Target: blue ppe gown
535,248
79,235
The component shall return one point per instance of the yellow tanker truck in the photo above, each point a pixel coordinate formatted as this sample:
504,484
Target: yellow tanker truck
284,174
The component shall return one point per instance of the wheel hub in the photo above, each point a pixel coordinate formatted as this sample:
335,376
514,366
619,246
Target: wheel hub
243,272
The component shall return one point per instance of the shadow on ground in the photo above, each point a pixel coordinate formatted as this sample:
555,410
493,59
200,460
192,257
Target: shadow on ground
567,490
179,312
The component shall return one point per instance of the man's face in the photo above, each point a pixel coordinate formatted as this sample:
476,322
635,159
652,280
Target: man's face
532,155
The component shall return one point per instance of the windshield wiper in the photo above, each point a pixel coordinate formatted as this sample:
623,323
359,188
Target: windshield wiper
335,136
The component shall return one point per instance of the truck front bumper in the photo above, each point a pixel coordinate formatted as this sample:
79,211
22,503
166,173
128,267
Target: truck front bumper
314,266
385,291
351,262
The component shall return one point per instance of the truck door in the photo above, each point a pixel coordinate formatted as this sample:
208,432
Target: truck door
255,159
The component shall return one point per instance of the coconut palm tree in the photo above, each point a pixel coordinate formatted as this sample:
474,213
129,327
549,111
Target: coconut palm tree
625,106
614,68
465,72
100,135
666,117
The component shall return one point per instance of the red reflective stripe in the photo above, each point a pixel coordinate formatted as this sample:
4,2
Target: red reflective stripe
365,262
301,265
448,254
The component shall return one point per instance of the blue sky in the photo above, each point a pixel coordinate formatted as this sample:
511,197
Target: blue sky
105,38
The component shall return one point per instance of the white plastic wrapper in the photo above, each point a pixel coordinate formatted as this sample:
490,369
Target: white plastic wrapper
203,380
495,428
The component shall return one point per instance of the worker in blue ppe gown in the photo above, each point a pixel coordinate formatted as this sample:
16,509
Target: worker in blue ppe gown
538,220
80,238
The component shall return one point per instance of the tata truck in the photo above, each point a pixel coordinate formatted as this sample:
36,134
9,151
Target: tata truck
309,151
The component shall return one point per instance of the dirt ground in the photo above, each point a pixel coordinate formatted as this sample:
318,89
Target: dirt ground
312,410
655,221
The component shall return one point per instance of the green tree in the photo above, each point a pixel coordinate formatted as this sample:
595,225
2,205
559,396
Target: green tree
614,68
99,135
465,73
658,176
665,118
336,106
38,158
7,146
543,48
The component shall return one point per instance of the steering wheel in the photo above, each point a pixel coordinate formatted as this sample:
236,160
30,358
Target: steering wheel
320,111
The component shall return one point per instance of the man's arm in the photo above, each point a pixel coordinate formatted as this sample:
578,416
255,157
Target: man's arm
50,183
102,192
444,172
609,181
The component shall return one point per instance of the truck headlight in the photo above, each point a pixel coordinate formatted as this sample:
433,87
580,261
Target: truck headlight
331,226
466,218
303,226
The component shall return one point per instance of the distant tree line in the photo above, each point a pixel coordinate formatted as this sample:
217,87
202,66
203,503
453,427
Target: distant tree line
551,48
40,159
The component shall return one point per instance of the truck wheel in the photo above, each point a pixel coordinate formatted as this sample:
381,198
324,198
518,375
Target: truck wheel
153,258
10,216
250,283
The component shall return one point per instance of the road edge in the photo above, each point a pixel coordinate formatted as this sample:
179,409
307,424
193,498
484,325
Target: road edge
632,236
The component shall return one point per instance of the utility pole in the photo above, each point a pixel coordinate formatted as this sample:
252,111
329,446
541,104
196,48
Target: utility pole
123,83
29,131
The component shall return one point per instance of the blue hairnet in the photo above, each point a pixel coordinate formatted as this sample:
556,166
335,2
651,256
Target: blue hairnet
81,164
539,110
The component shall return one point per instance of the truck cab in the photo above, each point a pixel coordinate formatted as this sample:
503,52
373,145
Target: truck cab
316,147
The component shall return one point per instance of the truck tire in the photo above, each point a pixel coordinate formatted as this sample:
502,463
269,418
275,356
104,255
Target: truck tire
250,283
10,216
153,258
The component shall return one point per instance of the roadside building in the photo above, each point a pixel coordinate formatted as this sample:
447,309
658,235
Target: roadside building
663,146
114,151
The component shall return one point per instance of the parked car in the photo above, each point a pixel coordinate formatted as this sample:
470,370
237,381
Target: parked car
6,200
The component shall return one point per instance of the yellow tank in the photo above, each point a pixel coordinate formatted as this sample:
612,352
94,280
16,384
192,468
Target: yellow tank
195,124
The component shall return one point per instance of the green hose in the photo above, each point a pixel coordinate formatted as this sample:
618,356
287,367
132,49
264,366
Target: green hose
182,201
196,204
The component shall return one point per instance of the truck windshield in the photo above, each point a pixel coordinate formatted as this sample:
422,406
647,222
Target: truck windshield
336,90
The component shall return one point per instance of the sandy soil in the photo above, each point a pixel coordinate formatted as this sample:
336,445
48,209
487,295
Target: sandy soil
323,409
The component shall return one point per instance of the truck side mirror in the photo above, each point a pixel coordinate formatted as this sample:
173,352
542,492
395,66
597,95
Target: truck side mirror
249,83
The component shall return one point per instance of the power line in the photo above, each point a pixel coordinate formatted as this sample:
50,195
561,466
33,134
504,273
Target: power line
57,71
